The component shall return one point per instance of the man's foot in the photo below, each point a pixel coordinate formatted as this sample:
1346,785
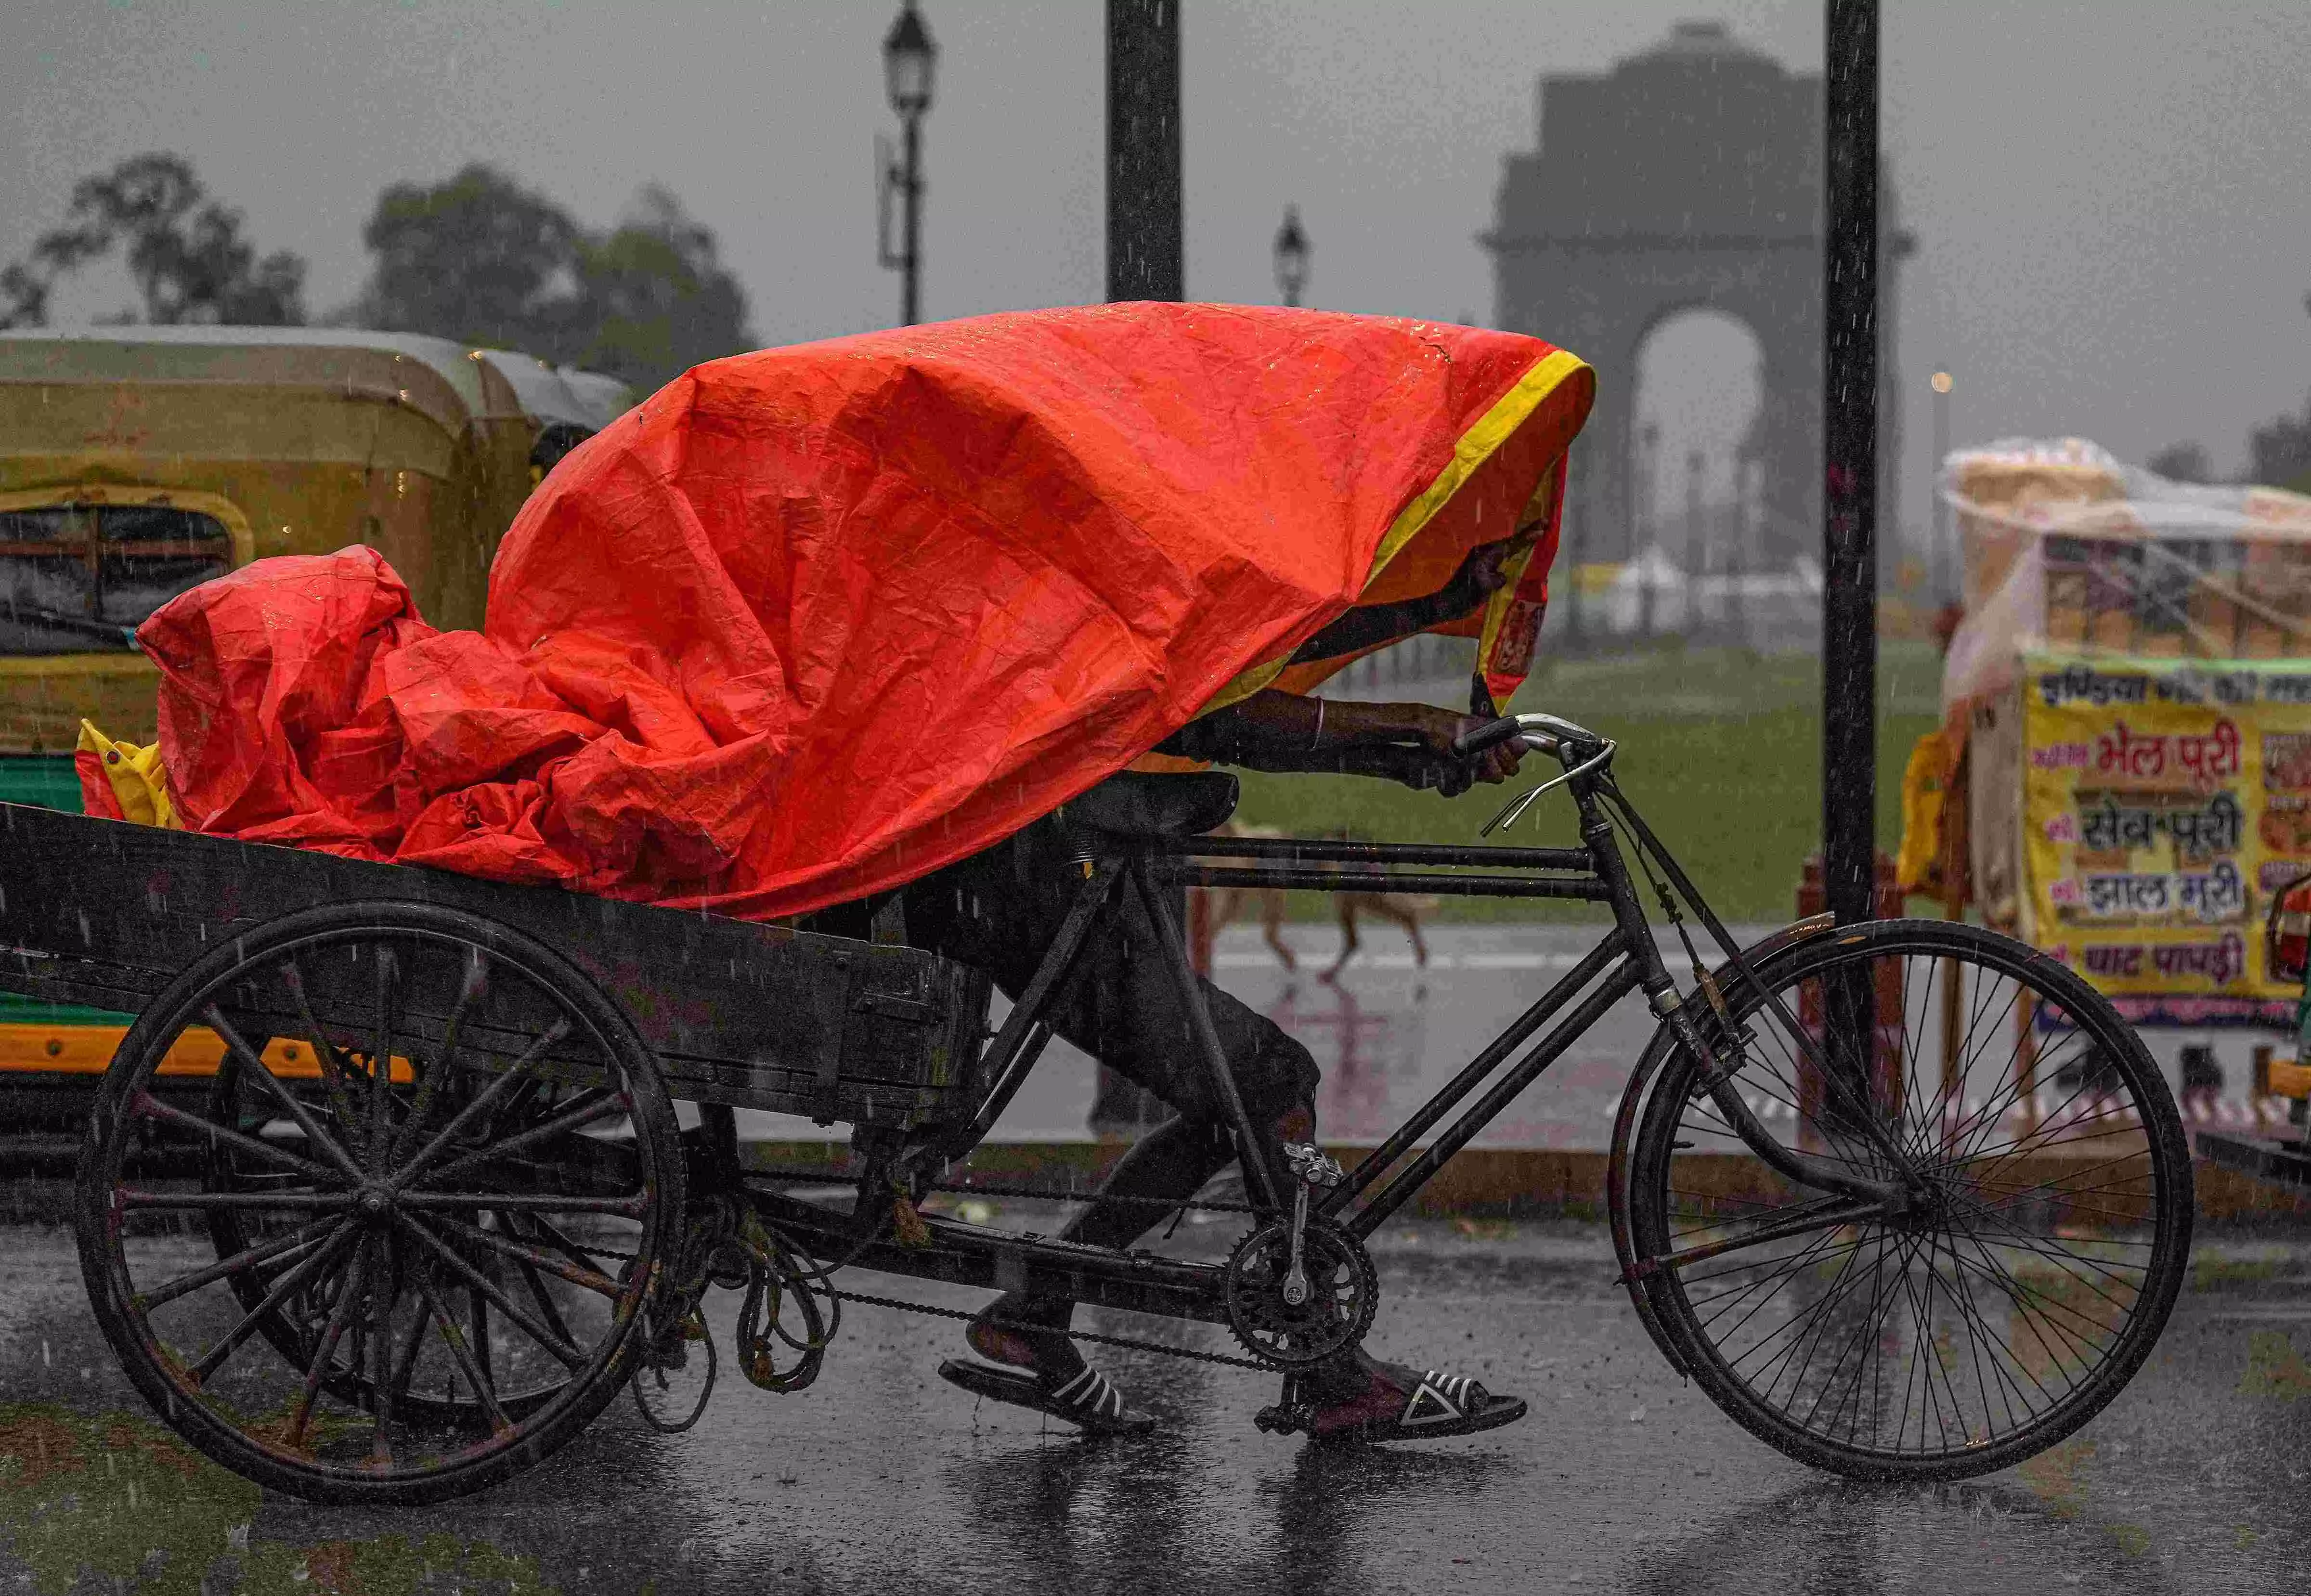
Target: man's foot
1037,1367
1090,1401
1019,1340
1367,1400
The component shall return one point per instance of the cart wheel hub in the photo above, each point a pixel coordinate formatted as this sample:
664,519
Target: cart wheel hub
373,1203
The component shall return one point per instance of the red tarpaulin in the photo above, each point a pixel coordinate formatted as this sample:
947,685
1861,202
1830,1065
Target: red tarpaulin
812,621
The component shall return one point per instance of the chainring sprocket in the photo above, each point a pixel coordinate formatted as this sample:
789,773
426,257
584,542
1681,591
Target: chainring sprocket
1344,1294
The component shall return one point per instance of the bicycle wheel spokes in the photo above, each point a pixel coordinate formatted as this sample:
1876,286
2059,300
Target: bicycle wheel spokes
434,1183
2034,1251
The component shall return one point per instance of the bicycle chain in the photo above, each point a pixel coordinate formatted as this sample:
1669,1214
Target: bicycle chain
833,1177
1073,1335
1032,1194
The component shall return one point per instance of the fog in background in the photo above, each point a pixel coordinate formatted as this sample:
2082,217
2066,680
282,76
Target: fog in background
2109,198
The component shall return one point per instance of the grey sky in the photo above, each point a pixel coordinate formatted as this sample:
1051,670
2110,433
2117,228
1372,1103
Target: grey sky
2110,197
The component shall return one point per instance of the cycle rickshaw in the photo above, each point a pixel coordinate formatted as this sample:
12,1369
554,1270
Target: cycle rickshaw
1907,1198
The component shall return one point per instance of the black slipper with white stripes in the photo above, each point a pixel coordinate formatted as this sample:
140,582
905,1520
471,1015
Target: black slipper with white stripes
1088,1399
1398,1404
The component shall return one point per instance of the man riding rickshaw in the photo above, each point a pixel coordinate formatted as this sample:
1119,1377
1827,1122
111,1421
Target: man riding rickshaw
818,632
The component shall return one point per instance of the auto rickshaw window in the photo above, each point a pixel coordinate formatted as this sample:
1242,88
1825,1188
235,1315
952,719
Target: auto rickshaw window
79,577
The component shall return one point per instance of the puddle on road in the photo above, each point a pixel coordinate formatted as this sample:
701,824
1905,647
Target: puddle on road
121,1499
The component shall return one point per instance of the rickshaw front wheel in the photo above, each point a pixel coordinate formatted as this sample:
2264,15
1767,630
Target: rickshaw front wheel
2026,1270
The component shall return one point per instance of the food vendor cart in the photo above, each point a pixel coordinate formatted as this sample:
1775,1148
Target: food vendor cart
2122,776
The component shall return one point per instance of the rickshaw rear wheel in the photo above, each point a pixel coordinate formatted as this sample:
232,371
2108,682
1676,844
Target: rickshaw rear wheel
2032,1262
235,1099
447,1219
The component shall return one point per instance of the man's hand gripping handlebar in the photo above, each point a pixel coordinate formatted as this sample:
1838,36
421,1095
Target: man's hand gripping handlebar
1575,747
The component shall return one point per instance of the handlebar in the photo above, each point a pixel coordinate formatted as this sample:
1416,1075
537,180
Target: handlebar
1543,734
1492,734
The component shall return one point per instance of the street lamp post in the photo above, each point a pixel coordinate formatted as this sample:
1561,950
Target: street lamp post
1748,479
1648,525
1695,556
909,60
1291,257
1945,556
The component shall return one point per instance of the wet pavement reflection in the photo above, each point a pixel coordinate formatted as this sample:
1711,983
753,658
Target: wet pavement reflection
881,1477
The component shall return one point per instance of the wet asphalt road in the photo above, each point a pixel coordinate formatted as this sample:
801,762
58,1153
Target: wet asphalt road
882,1477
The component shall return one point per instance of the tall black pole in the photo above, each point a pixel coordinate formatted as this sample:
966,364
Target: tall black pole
910,272
1849,605
1144,230
1145,246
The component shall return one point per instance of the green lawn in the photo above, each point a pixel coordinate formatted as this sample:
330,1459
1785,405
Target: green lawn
1720,751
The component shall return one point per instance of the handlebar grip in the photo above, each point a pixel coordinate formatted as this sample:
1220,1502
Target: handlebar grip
1491,735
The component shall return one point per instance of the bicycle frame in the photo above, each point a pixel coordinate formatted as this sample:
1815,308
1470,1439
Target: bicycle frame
1625,960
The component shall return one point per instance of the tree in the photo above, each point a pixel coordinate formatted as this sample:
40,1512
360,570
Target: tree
186,252
2183,462
479,259
484,260
656,298
2280,454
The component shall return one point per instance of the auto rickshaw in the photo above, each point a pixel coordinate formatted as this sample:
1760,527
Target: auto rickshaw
136,462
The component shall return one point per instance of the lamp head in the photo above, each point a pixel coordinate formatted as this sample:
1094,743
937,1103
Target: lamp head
1291,255
908,59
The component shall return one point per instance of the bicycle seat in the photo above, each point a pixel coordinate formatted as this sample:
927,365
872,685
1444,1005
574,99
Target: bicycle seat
1146,806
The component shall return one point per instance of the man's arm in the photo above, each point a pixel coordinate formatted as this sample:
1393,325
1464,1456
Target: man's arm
1409,743
1368,625
1406,742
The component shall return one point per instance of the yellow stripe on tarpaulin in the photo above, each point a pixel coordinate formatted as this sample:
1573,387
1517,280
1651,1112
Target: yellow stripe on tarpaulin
88,1049
1479,444
1255,680
139,781
1474,447
1533,521
1497,603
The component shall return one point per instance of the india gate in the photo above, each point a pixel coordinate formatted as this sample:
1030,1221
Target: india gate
1687,177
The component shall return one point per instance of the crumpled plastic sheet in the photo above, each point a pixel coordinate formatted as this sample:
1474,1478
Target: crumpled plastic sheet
812,621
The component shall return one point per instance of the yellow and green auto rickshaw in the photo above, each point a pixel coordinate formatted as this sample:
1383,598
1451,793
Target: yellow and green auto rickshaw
139,461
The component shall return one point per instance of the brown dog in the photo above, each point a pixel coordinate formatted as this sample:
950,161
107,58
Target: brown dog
1402,908
1227,902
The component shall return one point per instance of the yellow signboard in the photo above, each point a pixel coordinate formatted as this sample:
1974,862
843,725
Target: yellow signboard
2164,802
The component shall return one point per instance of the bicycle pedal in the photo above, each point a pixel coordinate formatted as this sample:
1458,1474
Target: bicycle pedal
1279,1420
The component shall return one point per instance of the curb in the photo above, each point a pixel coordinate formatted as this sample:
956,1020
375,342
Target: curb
1486,1183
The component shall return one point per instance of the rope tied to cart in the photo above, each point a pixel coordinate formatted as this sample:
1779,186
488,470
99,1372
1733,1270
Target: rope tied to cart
734,1247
